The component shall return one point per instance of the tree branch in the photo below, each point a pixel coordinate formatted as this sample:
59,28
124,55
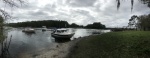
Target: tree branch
11,3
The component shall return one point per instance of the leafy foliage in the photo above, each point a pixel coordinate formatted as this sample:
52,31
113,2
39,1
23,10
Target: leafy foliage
47,23
56,24
1,28
1,21
133,21
143,22
96,25
140,22
74,25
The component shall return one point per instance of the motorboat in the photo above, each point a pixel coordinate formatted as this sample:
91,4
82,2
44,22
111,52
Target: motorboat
28,30
62,34
44,28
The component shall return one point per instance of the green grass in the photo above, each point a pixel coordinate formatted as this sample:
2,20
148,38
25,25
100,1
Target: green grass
128,44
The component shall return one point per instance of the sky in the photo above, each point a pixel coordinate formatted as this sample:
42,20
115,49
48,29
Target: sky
81,12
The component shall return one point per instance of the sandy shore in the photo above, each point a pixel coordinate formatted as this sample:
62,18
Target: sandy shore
59,50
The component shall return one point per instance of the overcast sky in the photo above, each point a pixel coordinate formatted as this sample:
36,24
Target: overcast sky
82,12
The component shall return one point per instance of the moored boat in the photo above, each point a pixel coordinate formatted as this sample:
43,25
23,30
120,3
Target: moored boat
62,34
44,28
28,30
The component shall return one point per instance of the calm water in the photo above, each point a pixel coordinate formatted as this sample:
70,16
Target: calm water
23,42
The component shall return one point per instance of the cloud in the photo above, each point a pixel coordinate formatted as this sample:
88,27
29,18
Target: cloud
82,3
82,12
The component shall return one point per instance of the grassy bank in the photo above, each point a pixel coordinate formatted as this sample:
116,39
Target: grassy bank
128,44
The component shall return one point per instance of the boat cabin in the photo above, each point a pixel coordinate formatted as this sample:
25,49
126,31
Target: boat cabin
62,34
60,31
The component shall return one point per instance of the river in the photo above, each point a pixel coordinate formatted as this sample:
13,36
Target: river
23,42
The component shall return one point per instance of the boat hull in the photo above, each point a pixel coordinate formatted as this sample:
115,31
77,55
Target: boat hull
57,36
28,31
43,29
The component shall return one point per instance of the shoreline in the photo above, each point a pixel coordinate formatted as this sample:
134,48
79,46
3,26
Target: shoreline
127,44
59,50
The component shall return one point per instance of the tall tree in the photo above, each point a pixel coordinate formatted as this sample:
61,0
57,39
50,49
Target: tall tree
140,22
3,16
1,22
96,25
144,21
133,21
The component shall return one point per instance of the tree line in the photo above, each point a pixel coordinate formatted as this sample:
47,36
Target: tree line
141,22
55,24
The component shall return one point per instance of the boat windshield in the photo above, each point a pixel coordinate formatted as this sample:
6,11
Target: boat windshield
61,31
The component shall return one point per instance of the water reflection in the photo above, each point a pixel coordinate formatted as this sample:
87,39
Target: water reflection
29,42
29,34
23,42
4,48
62,40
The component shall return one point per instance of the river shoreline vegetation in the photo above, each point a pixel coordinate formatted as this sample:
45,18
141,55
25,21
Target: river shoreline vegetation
4,41
56,24
1,28
2,38
127,44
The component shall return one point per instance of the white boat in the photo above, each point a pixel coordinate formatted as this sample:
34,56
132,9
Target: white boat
62,34
28,30
44,28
